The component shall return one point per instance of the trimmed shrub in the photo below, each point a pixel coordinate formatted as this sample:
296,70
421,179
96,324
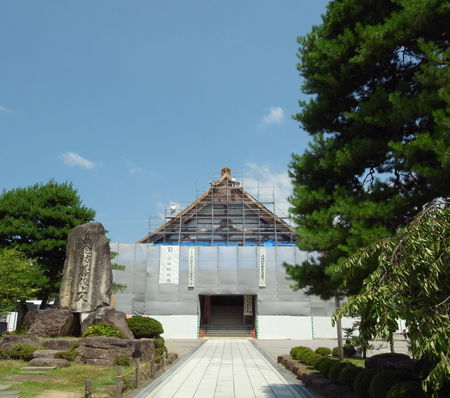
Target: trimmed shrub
142,327
4,354
122,361
335,370
362,382
159,347
325,366
310,358
297,348
319,361
406,389
385,379
335,352
323,351
24,352
348,375
103,329
349,350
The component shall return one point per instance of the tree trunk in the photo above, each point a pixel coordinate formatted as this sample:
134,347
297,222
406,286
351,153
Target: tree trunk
339,330
44,297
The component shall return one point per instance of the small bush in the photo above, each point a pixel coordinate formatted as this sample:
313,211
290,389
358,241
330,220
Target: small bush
309,358
335,352
103,329
70,354
323,351
4,354
294,350
348,375
319,361
406,389
160,348
385,379
325,366
362,382
335,370
144,327
24,352
122,361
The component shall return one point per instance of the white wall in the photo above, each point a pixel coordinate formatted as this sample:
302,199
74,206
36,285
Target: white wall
178,326
322,328
284,327
11,319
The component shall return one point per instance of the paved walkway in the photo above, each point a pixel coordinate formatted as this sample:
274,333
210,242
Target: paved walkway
227,368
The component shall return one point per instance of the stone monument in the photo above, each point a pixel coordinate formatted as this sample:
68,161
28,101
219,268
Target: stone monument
87,276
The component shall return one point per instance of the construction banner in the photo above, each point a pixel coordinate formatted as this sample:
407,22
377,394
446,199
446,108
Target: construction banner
248,305
262,267
191,267
169,261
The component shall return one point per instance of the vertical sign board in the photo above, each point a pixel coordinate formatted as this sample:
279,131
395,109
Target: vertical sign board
248,305
262,267
191,267
169,259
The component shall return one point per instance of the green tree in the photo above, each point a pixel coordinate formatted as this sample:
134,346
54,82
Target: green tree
411,281
20,279
379,115
36,220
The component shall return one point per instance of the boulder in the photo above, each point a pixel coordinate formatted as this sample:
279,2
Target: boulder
58,362
104,350
59,344
109,315
8,342
45,353
52,322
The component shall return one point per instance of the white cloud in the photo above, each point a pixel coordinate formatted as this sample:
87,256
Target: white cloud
3,109
135,170
74,159
267,185
275,116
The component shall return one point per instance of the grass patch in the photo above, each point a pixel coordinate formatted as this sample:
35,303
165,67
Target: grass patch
355,361
65,379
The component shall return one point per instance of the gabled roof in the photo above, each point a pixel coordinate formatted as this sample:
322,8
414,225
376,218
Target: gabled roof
226,214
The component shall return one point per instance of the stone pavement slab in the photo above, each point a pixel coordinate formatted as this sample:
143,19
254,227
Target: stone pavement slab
226,368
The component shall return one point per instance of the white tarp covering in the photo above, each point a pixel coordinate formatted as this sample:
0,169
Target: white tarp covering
216,270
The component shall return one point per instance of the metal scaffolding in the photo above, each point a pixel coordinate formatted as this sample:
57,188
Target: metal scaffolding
225,214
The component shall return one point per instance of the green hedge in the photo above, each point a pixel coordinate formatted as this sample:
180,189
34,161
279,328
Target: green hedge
325,366
406,389
348,375
323,351
319,361
362,382
143,327
24,352
335,370
385,379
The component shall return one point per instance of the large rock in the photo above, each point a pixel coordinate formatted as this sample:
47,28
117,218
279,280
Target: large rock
58,362
59,344
52,322
46,353
104,350
8,342
109,315
87,276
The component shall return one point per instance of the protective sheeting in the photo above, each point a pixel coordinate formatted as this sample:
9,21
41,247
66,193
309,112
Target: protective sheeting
217,270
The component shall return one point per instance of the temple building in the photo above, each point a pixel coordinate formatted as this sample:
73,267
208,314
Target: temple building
216,269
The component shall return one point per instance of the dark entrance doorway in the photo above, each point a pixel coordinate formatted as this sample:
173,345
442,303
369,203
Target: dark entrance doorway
227,315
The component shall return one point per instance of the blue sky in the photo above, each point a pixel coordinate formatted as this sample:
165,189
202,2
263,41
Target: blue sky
141,103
